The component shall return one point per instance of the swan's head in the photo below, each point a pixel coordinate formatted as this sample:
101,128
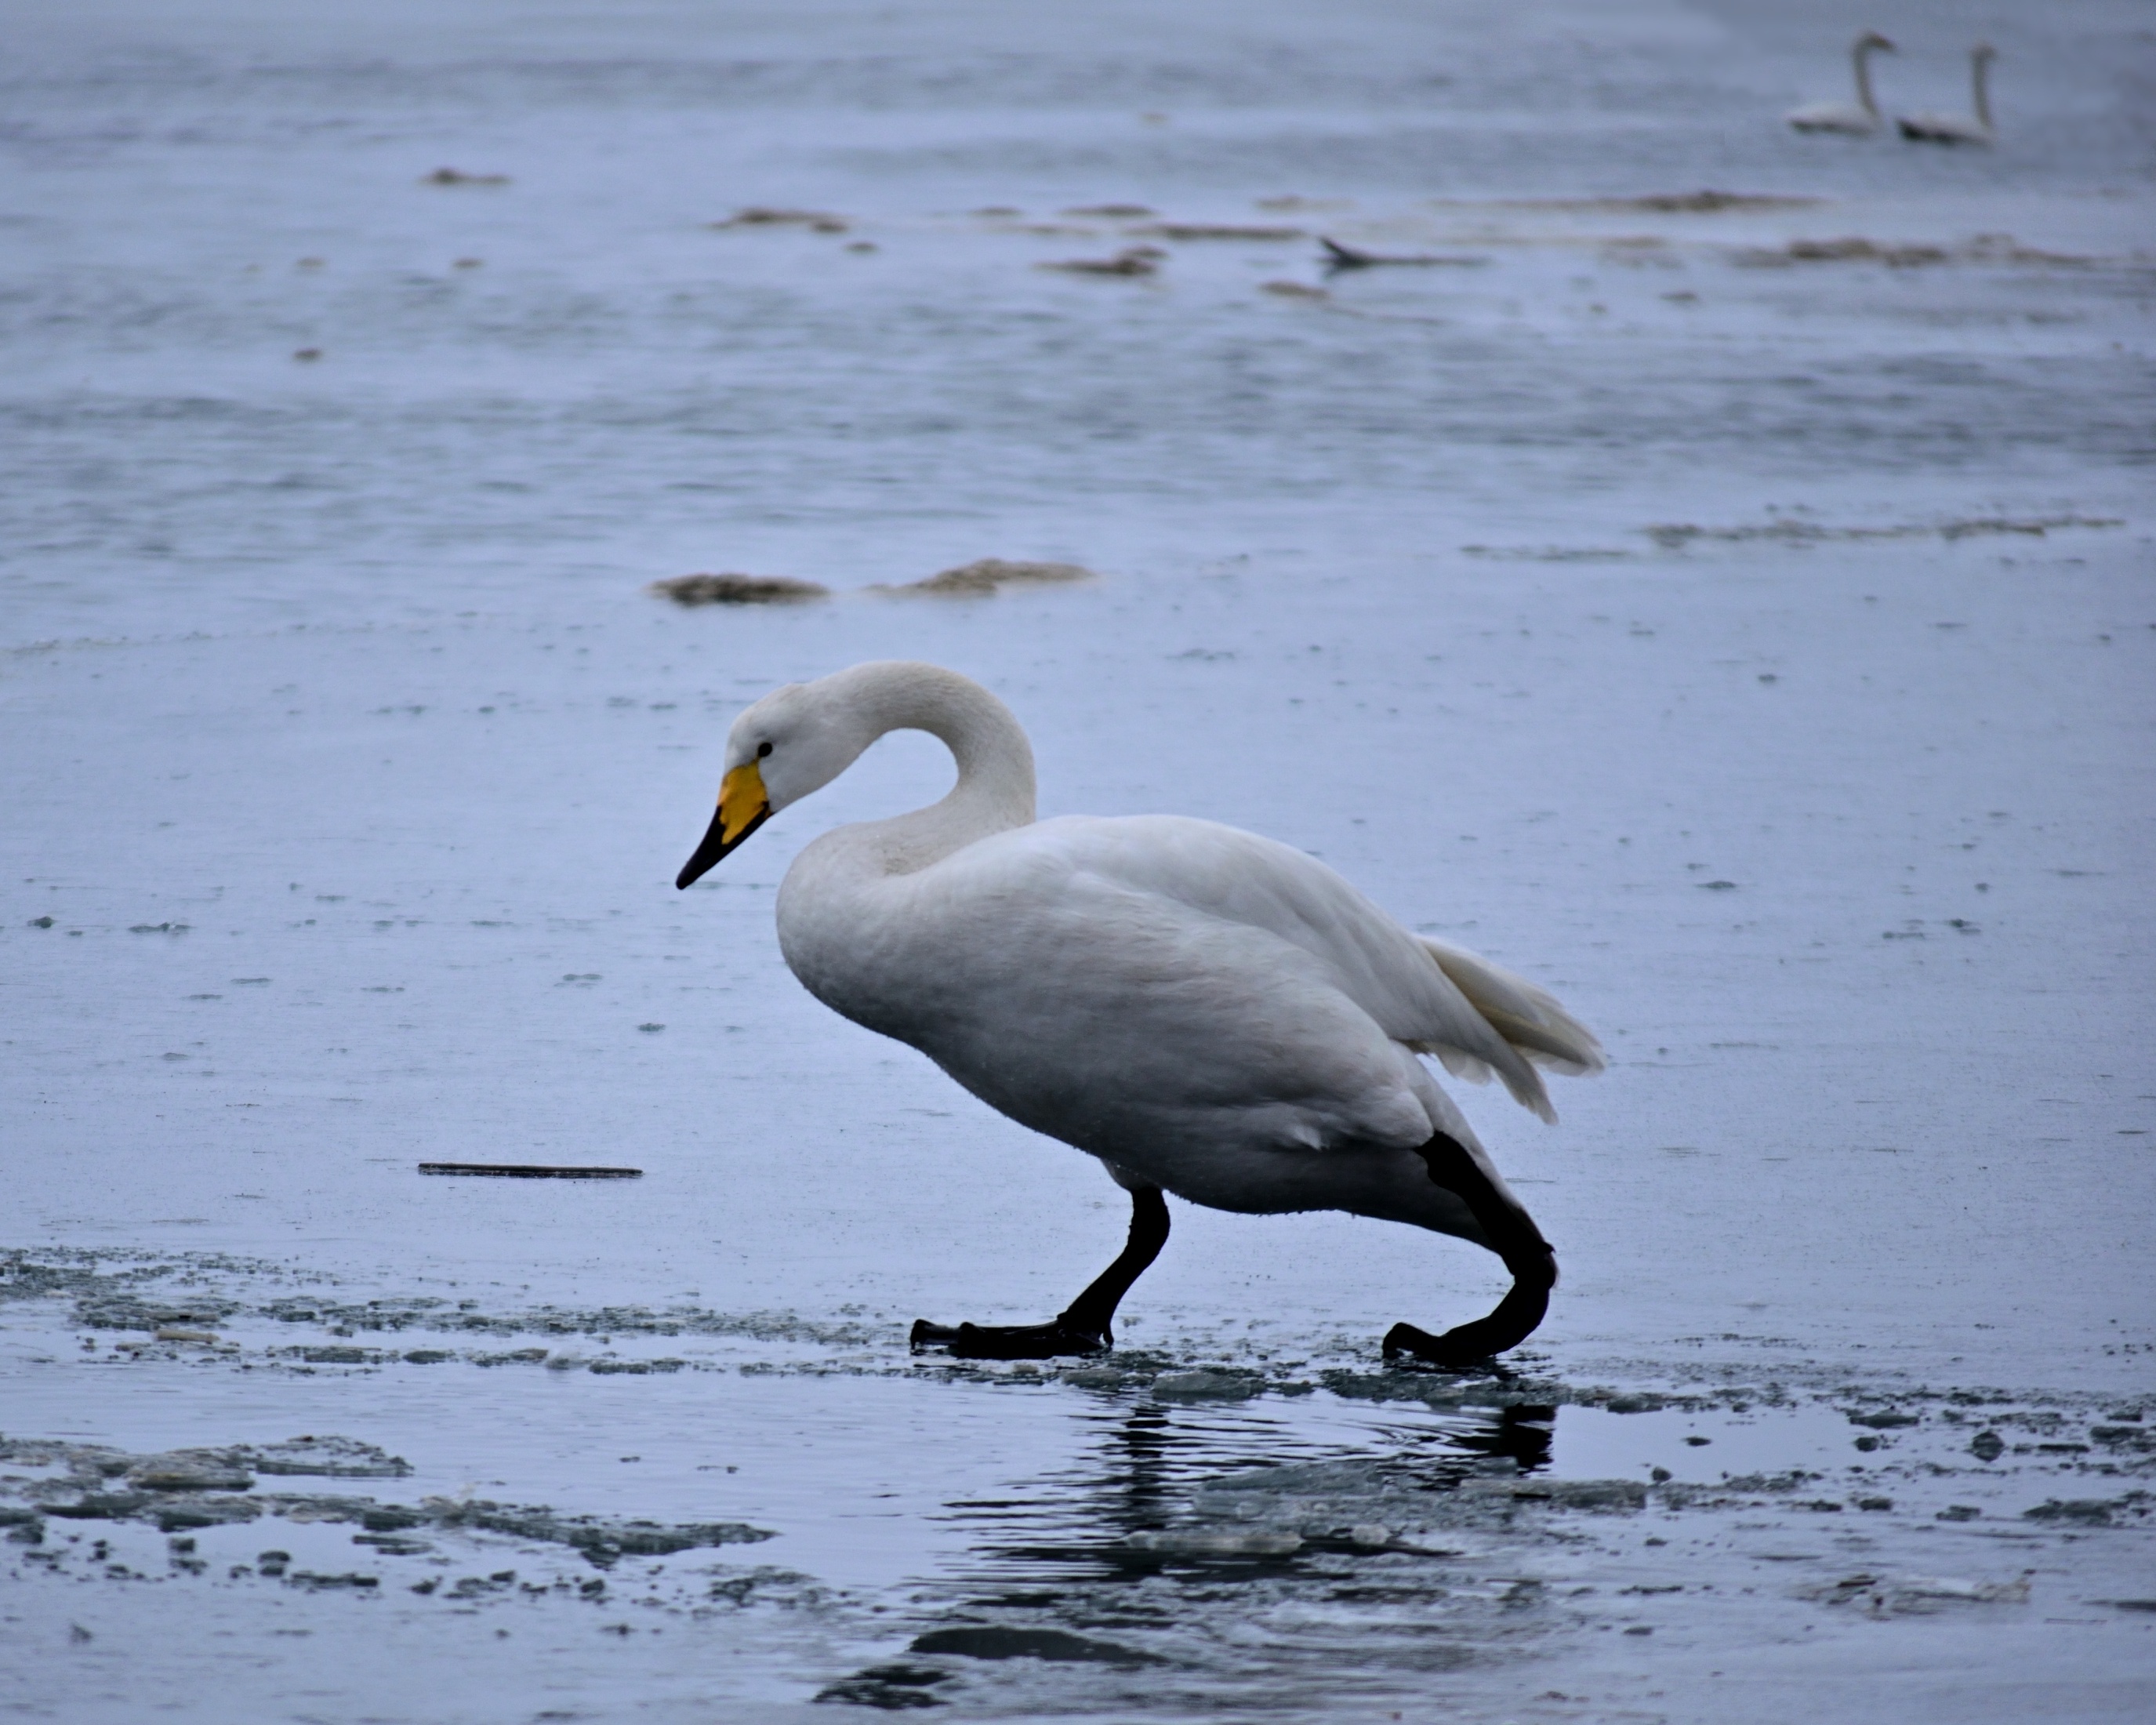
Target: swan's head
1983,51
794,741
1871,42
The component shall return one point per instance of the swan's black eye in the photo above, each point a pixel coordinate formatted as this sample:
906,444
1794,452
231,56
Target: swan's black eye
762,750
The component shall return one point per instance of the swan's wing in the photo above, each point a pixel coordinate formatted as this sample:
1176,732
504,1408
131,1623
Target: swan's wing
1435,998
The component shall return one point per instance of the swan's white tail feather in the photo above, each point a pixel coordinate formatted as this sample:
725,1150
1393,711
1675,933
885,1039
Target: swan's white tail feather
1505,1062
1528,1018
1461,1065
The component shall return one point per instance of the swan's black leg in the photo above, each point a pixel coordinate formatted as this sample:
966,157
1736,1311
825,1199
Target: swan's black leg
1083,1328
1512,1233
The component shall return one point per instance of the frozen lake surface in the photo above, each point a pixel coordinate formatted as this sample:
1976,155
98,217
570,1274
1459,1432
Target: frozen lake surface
1734,613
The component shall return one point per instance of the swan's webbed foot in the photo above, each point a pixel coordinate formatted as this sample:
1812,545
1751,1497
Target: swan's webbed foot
1511,1233
1047,1341
1469,1345
1082,1327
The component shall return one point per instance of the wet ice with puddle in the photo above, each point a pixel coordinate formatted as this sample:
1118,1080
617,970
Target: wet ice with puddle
1171,1537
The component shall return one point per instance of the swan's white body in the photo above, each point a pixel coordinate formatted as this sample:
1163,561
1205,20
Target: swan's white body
1204,1010
1973,128
1857,118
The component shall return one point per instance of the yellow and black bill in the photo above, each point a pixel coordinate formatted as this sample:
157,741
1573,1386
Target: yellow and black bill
743,807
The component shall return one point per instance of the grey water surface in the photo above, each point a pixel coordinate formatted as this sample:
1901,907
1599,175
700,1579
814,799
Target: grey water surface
1733,611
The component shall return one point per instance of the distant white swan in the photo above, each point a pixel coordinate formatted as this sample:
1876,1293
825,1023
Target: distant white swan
1857,118
1209,1013
1959,128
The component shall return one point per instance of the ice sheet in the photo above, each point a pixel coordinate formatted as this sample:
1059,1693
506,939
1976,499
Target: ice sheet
1747,638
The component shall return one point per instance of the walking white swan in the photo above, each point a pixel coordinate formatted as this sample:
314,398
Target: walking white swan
1857,118
1209,1013
1976,128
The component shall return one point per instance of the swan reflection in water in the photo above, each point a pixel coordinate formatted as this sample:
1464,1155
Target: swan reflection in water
1165,1571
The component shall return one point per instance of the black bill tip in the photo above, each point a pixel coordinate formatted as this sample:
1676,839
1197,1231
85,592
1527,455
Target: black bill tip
715,848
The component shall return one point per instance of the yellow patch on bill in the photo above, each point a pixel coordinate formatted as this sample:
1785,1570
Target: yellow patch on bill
741,799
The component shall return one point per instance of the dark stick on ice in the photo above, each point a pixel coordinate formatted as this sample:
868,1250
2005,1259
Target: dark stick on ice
530,1171
1339,257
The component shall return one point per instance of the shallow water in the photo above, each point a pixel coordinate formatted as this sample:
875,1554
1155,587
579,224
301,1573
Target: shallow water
1751,644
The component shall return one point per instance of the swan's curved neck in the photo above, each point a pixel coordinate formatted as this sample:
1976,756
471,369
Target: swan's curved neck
995,787
1861,55
1980,72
